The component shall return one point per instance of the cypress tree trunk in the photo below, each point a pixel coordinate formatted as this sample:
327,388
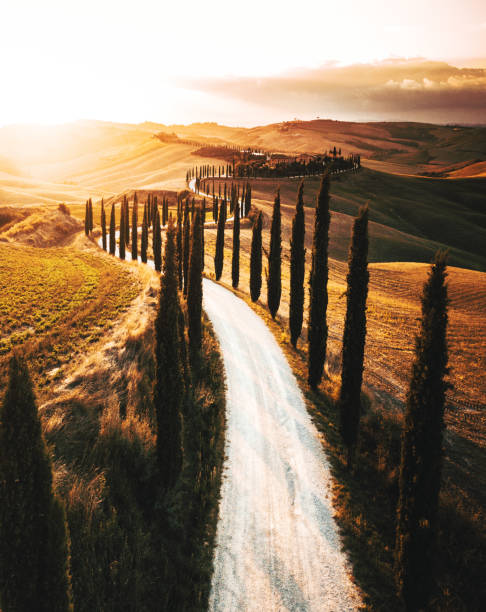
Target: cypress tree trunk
421,460
317,329
187,249
179,246
112,231
297,269
219,251
135,229
157,243
34,561
256,259
235,261
144,237
169,382
194,291
354,333
123,225
103,224
274,281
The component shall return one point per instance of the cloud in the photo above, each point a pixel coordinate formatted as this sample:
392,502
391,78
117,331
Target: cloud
412,89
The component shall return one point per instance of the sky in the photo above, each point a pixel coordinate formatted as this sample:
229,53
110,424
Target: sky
242,63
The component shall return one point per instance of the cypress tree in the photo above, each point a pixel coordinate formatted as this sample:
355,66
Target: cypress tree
256,259
219,250
169,381
421,458
86,218
203,223
144,237
179,246
135,229
103,224
126,223
194,291
123,224
297,269
274,281
112,231
34,550
235,261
354,333
90,209
186,248
157,243
317,329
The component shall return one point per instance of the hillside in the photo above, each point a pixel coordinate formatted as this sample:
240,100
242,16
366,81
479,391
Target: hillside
411,216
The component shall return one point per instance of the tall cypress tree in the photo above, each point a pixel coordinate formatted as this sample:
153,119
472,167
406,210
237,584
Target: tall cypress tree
179,246
274,281
144,237
194,291
186,248
86,218
256,259
123,225
317,327
135,228
157,243
297,269
354,333
112,231
169,381
203,224
126,224
90,207
422,452
235,260
219,249
103,224
34,550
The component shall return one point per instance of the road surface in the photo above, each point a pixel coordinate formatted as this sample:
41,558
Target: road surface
277,546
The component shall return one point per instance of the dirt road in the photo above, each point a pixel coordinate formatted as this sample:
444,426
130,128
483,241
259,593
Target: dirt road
277,544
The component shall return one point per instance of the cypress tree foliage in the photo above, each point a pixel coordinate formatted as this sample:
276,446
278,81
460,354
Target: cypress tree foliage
144,237
421,459
203,222
186,249
274,281
317,329
169,381
126,224
112,231
123,225
194,291
86,218
219,250
135,229
103,224
90,209
179,246
34,551
247,199
256,259
354,333
297,269
235,260
157,243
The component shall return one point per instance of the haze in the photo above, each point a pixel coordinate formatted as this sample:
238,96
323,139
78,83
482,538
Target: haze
245,64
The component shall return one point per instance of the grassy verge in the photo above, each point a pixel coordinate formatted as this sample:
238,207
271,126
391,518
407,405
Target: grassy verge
131,547
365,499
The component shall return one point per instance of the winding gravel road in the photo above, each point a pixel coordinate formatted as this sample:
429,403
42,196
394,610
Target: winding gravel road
277,544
